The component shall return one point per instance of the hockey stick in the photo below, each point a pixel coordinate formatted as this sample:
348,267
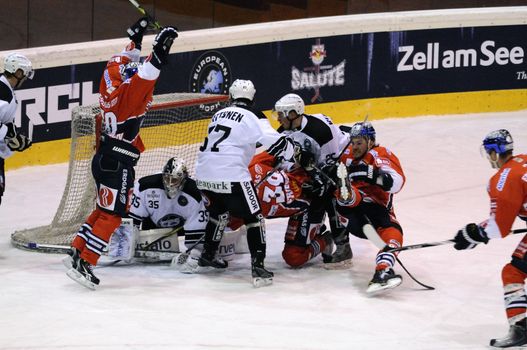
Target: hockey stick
374,237
144,13
435,244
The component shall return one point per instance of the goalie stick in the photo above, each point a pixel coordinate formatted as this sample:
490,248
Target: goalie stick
374,237
435,244
151,19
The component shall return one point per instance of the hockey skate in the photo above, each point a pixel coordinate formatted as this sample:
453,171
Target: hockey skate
202,264
383,280
261,276
341,258
79,270
517,336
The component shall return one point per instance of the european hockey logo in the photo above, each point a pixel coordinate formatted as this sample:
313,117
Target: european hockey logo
211,74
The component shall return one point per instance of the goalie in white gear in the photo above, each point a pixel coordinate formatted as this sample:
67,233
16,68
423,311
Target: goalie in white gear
17,68
169,200
223,176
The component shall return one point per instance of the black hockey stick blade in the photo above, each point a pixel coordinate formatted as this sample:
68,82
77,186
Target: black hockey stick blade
151,19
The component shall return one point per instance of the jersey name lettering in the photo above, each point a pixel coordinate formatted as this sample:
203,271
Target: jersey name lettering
232,115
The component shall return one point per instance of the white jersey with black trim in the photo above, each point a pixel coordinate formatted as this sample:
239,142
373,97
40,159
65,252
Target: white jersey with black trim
231,143
187,208
328,135
8,105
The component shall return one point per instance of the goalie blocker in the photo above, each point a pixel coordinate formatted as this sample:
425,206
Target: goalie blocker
129,244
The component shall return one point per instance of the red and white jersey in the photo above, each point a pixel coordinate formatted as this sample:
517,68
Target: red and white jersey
507,190
280,194
124,103
387,162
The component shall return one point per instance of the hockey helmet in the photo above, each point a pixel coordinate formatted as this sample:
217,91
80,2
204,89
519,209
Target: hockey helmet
288,103
129,70
15,61
174,175
499,141
495,143
242,89
363,129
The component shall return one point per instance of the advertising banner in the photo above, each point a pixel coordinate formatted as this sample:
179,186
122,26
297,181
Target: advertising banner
321,70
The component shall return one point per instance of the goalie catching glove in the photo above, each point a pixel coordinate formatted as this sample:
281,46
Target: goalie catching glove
371,175
161,46
470,236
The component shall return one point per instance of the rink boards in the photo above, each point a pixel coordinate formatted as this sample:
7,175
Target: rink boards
387,65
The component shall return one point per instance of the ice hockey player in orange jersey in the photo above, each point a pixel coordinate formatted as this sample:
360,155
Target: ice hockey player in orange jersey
281,194
507,190
378,175
125,94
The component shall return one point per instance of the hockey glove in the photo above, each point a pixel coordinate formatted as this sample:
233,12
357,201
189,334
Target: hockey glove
162,44
19,143
470,236
316,187
371,175
136,31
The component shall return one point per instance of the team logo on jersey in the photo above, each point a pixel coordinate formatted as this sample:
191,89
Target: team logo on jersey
211,74
182,201
318,75
106,197
170,220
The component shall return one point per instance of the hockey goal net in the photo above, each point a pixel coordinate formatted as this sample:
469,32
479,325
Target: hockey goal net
175,125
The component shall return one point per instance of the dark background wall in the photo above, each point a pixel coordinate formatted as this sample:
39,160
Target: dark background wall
32,23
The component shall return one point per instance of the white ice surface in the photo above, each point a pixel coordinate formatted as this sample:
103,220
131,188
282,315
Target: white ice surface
153,307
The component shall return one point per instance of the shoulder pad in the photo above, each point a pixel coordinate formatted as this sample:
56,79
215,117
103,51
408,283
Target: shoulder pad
192,190
151,181
5,93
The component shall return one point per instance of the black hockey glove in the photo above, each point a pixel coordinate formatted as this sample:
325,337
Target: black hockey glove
137,30
161,47
19,143
11,131
470,236
317,187
371,175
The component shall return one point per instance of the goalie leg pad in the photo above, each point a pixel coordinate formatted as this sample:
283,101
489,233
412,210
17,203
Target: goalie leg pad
122,241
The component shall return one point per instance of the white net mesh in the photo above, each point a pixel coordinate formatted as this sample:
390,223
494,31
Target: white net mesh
175,126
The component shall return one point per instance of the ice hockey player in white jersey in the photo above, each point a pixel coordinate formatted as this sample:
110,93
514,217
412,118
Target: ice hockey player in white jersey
289,111
17,68
223,176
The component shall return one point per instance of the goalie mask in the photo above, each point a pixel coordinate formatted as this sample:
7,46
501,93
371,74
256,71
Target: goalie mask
495,144
174,176
242,90
129,70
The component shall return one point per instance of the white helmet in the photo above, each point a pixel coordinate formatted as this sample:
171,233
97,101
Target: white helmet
15,61
242,89
290,102
174,175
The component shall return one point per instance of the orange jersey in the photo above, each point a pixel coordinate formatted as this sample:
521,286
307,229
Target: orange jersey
384,160
124,103
507,190
280,194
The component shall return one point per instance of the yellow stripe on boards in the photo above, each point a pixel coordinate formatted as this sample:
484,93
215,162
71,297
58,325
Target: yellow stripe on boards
341,112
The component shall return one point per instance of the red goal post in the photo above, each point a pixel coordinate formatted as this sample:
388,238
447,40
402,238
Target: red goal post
175,125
